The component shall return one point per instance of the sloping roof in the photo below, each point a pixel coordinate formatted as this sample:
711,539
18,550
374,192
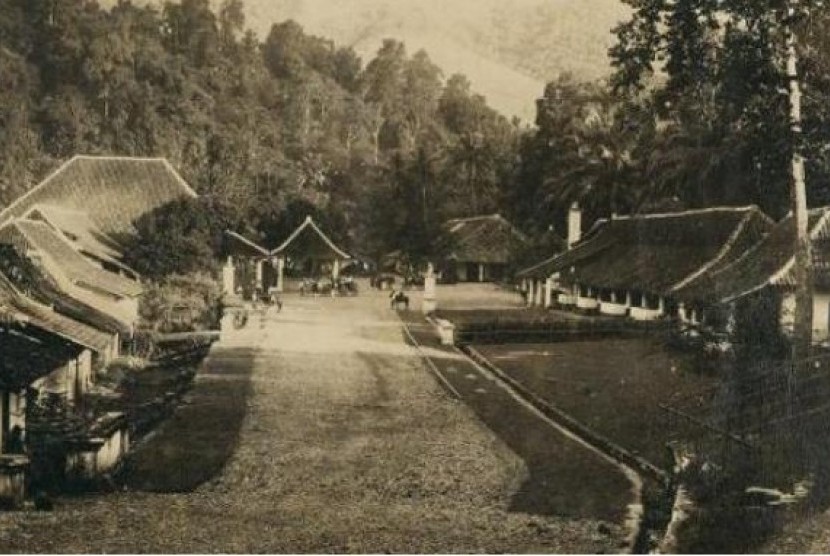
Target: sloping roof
77,268
768,263
46,319
248,246
659,252
32,282
30,353
484,239
78,228
309,239
114,191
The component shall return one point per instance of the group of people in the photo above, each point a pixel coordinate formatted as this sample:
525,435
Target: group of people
345,285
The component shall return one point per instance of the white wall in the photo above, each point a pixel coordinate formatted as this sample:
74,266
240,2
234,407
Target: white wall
821,315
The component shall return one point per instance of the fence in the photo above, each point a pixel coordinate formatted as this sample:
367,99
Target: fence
772,417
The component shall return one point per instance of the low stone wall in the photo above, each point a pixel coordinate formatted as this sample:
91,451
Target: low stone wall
13,469
507,331
101,452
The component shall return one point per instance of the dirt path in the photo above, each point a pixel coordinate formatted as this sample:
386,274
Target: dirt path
347,445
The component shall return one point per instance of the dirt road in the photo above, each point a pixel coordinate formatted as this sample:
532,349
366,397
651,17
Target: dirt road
314,430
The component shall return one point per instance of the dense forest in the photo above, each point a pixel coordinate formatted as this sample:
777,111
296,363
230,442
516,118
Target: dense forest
266,131
382,151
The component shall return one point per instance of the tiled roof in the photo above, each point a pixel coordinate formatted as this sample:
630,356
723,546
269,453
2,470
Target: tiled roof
30,353
309,239
114,191
484,239
768,263
46,319
77,268
32,282
78,228
658,252
242,245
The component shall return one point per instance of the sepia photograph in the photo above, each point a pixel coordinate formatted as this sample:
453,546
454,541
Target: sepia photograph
414,276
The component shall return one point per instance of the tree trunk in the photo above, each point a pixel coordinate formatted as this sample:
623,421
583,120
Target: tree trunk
803,325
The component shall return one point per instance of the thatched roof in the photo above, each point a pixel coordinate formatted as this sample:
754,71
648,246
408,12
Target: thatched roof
487,239
38,237
113,191
768,263
657,253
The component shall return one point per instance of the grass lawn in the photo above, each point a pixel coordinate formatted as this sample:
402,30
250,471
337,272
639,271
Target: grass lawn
612,385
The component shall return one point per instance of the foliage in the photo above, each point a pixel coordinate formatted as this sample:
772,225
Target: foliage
259,128
178,237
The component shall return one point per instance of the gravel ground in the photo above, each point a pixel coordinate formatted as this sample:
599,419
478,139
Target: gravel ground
348,445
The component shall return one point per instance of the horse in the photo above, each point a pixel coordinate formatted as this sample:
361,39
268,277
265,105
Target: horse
397,298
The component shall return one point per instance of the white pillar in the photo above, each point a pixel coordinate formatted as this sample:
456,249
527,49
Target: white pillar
661,305
228,276
429,302
531,293
549,292
280,271
259,271
628,299
335,269
540,293
681,312
480,272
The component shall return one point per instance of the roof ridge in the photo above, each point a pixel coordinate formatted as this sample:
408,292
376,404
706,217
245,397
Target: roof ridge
688,212
309,222
477,217
725,248
37,187
247,241
119,157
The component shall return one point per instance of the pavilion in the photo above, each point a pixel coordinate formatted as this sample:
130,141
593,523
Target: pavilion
307,253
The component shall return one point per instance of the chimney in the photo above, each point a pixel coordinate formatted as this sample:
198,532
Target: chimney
574,224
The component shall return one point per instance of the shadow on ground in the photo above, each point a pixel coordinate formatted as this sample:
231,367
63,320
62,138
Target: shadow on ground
564,477
196,442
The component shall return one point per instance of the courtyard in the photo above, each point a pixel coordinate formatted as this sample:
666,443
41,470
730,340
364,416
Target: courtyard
318,429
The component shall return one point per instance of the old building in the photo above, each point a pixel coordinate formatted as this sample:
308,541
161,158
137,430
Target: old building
307,253
765,268
77,276
635,265
481,248
112,191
